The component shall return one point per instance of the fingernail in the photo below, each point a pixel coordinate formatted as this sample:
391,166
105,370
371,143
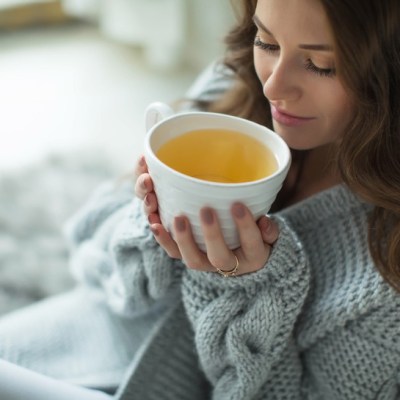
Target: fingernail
152,219
146,200
142,163
207,216
155,231
238,210
180,224
143,184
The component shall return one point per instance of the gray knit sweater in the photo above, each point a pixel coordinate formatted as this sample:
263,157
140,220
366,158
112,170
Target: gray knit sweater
317,322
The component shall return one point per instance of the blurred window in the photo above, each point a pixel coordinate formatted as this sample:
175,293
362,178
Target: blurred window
17,14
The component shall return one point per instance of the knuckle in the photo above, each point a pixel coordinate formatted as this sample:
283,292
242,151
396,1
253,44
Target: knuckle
142,181
251,245
219,262
140,187
138,194
173,254
262,259
138,191
195,264
147,212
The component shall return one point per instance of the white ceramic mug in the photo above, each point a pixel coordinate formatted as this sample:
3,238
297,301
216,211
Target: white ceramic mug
180,194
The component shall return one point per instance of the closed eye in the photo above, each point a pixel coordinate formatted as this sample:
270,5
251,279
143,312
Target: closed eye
329,72
309,65
270,48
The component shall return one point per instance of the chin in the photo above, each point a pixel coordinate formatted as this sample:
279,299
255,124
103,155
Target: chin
300,147
296,139
296,143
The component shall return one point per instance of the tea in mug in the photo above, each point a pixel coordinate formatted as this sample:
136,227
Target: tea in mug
218,155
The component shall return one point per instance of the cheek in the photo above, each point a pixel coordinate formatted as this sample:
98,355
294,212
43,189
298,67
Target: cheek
261,67
344,111
334,103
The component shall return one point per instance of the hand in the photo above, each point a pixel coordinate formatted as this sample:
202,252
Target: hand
256,238
144,189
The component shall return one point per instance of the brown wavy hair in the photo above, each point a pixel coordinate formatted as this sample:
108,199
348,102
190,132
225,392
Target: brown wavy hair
367,46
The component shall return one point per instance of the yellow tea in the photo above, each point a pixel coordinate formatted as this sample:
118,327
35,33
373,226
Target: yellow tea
219,155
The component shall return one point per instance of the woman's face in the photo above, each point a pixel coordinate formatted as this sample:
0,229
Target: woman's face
294,59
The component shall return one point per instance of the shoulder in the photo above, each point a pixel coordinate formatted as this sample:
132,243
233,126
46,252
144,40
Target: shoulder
211,83
104,202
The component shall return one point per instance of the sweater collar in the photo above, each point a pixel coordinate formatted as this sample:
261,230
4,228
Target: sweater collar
335,201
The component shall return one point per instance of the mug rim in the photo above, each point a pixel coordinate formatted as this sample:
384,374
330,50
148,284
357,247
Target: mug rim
281,168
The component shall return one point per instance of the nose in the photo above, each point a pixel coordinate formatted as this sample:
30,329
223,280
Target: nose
281,83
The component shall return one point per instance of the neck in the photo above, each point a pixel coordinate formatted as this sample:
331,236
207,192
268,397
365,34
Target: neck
313,172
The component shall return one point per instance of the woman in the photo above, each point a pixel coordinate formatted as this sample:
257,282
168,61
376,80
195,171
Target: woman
316,313
312,311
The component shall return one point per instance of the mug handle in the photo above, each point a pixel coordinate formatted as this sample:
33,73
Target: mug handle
155,113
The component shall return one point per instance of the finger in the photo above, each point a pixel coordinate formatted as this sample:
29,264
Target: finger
154,218
218,252
269,230
252,245
141,166
150,203
192,256
143,185
165,240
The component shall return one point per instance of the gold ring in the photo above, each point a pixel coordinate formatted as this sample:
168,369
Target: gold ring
231,272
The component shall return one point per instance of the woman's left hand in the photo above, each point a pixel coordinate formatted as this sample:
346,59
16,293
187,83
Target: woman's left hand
256,240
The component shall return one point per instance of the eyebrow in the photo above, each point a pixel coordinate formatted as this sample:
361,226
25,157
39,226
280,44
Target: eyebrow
318,47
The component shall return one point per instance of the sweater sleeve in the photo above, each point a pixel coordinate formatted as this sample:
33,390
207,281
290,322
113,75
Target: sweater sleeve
244,325
114,252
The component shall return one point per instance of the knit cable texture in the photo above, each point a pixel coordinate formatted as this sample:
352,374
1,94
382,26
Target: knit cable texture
244,324
114,251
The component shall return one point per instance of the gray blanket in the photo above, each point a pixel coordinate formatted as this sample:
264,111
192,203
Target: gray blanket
34,203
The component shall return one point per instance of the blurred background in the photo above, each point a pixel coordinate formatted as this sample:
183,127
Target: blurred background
75,79
79,73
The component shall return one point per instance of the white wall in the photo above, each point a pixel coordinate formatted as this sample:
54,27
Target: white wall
208,22
171,32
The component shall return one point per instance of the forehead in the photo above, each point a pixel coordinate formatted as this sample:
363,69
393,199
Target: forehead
304,19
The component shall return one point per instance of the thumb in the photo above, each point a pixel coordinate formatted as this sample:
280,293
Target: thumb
269,230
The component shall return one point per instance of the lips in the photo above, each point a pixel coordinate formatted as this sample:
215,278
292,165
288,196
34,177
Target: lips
288,119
